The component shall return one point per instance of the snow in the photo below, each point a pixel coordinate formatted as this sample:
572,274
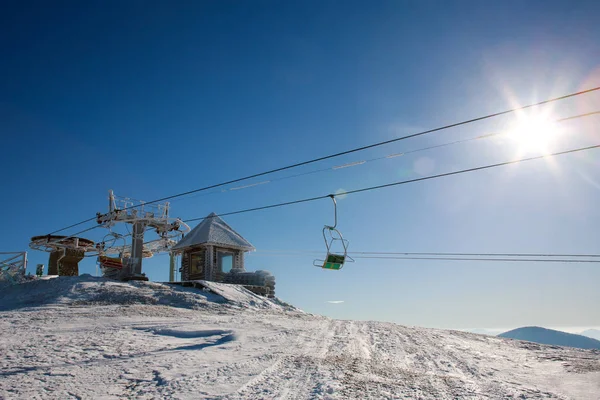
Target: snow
236,294
84,337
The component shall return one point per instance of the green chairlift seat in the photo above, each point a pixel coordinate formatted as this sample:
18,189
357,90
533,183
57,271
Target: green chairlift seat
334,260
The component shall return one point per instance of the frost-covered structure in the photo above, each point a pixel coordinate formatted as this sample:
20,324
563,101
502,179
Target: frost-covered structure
214,251
12,268
65,252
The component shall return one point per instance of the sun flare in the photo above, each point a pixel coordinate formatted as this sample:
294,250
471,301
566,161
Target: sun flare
534,134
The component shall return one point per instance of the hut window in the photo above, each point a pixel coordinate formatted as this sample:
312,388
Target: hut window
196,263
225,261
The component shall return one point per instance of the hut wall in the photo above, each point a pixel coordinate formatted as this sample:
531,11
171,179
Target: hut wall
217,269
209,265
185,271
196,260
238,261
212,269
192,272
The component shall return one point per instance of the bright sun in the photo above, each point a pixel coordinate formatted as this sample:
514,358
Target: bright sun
534,134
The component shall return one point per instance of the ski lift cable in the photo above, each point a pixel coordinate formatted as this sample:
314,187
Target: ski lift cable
347,165
578,116
357,149
73,225
485,259
382,143
405,182
394,155
483,254
395,253
463,171
485,136
470,139
368,188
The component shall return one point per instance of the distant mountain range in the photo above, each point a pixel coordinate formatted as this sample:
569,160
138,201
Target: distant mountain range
550,336
592,333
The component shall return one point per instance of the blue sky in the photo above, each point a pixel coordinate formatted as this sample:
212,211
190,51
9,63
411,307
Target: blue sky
155,98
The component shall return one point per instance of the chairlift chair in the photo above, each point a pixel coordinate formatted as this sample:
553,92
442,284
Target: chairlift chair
334,260
111,266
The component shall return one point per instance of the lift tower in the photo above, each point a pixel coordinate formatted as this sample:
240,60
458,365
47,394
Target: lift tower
142,217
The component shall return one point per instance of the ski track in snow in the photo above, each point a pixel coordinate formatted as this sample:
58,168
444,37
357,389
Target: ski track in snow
186,344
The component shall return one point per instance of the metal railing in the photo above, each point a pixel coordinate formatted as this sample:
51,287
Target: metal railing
12,267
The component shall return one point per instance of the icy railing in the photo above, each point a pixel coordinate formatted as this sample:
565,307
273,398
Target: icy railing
12,267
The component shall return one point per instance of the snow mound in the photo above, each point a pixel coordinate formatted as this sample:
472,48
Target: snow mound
185,334
240,296
87,290
212,337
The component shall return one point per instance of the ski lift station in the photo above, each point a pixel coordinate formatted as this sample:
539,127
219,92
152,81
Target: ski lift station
212,251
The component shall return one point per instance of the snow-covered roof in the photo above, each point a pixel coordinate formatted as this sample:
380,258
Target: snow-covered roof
214,231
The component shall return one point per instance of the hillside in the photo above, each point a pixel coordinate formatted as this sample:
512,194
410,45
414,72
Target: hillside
87,338
551,337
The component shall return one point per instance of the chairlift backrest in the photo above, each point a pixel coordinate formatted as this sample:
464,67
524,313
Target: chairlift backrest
110,262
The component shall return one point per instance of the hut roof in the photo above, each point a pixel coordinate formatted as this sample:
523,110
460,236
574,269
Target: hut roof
214,231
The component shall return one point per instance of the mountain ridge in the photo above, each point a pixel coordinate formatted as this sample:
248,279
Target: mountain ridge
591,333
552,337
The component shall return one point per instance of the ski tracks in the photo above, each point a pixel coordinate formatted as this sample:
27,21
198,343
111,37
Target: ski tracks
299,372
334,362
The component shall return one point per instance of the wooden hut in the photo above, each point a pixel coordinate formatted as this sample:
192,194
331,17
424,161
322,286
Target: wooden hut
211,250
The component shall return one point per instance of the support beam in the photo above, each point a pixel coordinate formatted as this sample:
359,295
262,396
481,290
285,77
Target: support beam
65,262
137,247
171,267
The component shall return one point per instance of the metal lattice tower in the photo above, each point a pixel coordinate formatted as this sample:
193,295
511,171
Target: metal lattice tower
141,216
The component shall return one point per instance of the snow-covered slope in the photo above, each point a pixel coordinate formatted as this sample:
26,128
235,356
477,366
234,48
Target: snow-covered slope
88,290
88,338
